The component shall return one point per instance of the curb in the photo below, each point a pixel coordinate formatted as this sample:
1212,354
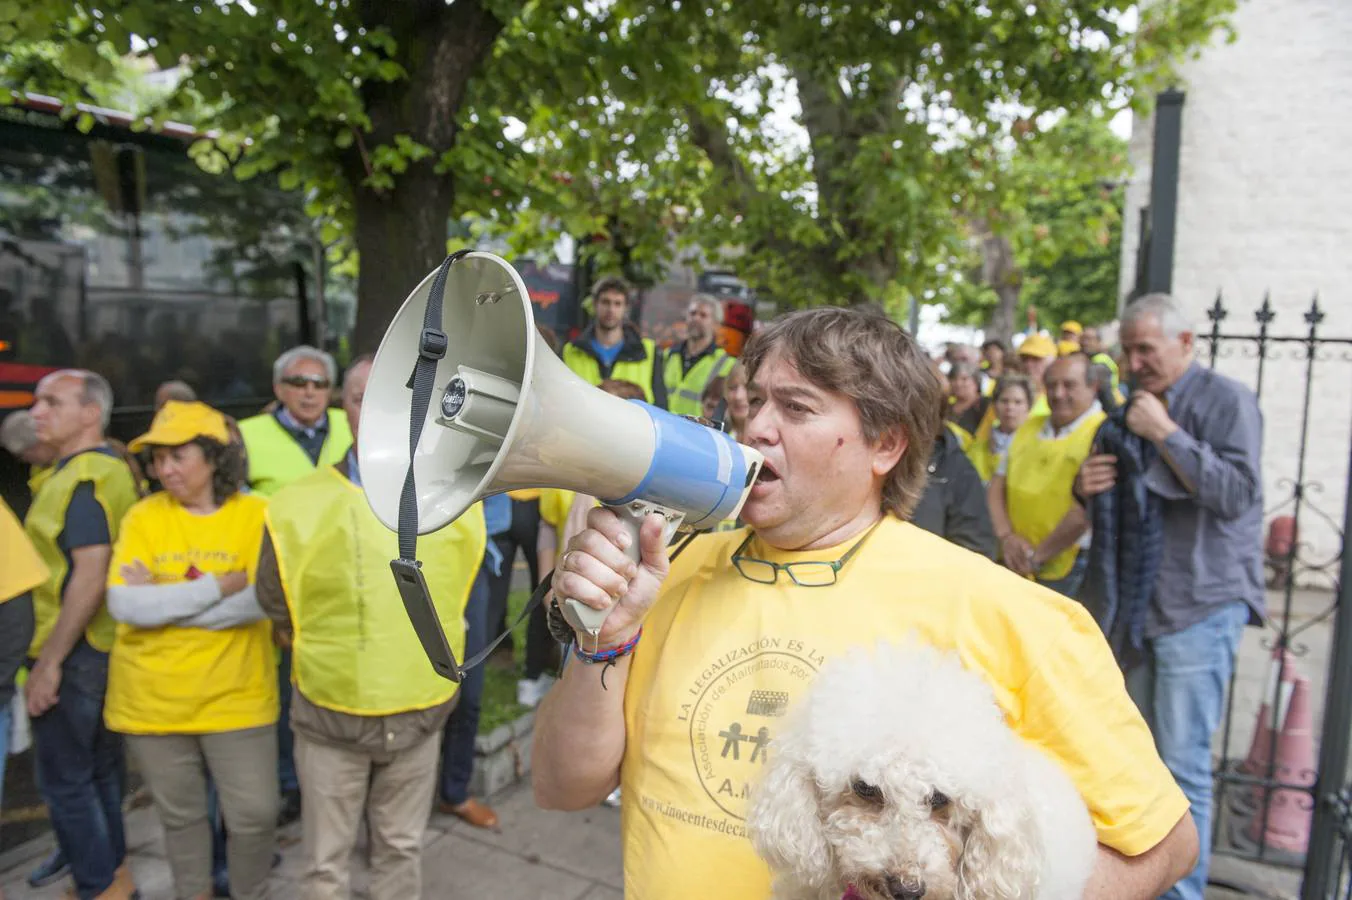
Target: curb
502,757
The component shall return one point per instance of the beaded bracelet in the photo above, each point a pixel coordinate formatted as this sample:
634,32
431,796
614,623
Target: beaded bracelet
608,656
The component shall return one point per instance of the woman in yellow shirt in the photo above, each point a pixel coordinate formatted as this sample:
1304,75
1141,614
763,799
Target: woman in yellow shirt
191,680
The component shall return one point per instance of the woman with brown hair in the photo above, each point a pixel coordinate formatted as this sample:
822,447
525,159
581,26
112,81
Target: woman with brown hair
191,681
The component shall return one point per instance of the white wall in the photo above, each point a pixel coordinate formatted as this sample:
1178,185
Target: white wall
1265,205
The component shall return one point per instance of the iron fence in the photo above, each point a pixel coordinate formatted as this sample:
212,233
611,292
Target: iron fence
1269,805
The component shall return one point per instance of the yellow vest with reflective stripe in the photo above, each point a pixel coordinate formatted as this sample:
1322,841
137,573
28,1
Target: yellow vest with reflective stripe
685,390
115,491
1038,484
275,459
588,368
355,650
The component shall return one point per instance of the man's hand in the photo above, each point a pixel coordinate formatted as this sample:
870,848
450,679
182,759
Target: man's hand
594,570
1097,474
1017,554
1147,417
42,688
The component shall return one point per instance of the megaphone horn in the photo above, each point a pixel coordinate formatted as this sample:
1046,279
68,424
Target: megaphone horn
508,414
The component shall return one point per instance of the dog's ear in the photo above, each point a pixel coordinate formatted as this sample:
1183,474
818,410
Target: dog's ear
784,822
1001,853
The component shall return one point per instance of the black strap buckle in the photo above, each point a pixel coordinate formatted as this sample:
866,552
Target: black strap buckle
433,344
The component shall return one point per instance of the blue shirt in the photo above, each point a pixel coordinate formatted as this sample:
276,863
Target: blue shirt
311,438
607,355
1209,478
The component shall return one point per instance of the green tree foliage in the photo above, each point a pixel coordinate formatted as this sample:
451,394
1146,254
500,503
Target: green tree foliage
690,123
837,151
1054,240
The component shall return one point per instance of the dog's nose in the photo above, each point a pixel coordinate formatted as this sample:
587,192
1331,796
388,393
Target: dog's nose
905,888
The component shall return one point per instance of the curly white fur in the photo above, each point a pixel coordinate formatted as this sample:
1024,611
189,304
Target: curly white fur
855,791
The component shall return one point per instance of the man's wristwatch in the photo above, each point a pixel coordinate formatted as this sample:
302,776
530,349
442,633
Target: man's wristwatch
559,629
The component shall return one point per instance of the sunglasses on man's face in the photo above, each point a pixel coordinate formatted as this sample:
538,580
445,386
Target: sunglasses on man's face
300,381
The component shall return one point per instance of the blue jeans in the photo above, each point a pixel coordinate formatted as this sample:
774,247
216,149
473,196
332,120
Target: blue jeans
457,749
286,742
81,773
1069,585
1180,691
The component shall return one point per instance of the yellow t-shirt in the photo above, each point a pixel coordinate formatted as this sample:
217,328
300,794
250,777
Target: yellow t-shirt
176,680
21,569
718,650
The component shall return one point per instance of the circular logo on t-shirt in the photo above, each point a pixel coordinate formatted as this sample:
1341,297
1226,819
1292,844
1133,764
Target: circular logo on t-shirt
732,723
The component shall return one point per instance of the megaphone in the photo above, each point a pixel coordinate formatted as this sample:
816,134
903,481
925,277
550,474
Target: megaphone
465,400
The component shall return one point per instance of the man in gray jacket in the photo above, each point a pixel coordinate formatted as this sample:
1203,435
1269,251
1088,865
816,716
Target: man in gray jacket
1209,432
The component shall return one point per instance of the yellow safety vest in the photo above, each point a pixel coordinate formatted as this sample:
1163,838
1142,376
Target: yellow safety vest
1104,359
639,371
1038,484
983,458
37,477
964,439
355,650
115,491
685,390
275,459
23,569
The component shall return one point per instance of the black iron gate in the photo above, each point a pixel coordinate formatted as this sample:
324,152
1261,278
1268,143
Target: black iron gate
1274,803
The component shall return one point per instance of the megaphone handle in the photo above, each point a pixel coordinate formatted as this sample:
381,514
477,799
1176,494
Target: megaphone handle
589,620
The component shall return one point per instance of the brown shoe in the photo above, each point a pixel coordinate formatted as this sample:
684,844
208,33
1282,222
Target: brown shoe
480,815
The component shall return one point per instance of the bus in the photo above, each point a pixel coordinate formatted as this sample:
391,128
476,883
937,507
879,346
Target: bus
119,254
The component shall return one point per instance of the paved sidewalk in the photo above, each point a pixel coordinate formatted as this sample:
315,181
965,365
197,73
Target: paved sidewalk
537,856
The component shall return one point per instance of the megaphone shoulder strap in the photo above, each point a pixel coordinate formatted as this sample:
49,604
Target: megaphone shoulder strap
408,576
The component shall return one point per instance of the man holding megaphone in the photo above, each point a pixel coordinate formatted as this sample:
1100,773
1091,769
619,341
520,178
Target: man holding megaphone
679,692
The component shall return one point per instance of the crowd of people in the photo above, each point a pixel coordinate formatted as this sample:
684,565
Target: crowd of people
213,598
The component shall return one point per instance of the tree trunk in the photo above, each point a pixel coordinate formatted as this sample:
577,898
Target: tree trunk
401,232
1000,271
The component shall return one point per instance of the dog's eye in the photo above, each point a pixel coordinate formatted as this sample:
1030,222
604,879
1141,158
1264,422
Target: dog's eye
865,791
938,800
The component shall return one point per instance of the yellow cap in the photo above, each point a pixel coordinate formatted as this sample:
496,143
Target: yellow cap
1073,327
1037,345
178,422
1067,347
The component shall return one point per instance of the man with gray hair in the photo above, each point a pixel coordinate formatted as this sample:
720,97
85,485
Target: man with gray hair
19,436
301,435
173,390
1195,437
695,362
73,523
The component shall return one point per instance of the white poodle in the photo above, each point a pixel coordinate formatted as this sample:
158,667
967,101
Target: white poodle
896,778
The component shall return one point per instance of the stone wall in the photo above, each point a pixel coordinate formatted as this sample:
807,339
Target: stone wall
1265,208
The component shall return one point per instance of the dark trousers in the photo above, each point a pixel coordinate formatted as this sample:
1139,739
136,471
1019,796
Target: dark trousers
457,749
81,772
286,754
522,535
